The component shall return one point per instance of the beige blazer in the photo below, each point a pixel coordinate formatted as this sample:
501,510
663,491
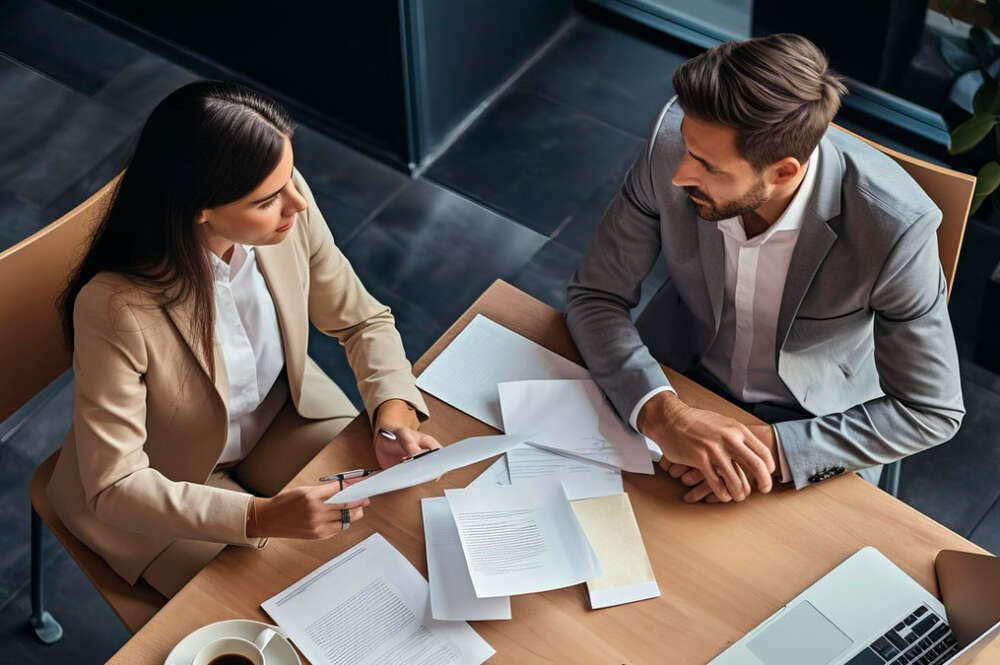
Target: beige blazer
149,424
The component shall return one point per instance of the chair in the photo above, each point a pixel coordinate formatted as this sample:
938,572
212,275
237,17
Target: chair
33,353
952,192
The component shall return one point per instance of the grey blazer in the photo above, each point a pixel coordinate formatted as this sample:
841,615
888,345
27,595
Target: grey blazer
864,342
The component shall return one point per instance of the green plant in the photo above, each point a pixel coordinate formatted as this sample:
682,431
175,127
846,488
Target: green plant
985,118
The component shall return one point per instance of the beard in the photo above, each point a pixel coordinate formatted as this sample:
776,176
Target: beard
716,212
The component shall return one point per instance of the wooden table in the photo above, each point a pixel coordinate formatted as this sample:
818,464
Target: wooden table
721,568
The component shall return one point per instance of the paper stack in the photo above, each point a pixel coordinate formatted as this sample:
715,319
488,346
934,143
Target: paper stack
514,529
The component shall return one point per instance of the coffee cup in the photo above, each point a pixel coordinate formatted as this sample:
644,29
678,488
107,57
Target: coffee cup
241,650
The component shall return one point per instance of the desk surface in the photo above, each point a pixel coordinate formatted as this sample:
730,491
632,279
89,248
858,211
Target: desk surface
721,568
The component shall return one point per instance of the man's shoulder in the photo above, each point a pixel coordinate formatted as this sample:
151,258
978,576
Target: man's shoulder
876,189
666,141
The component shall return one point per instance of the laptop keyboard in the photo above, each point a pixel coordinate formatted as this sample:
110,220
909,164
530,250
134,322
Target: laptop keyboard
921,638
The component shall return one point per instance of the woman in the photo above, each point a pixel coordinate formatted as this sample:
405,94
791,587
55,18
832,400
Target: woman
188,319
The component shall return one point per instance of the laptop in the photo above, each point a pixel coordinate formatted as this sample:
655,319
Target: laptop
867,611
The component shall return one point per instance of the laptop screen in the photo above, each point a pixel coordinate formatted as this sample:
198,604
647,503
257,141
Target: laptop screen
990,640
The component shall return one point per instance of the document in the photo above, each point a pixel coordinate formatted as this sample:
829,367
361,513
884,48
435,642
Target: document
614,534
494,475
521,539
368,606
580,478
483,355
427,467
453,597
573,416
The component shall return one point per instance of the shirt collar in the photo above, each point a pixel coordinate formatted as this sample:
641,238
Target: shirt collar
227,272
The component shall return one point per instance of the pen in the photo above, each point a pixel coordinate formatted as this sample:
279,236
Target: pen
344,475
426,452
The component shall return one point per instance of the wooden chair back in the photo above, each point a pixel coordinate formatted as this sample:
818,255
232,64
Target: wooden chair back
950,190
33,273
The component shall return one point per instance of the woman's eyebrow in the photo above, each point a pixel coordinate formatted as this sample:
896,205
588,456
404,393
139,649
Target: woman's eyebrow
276,193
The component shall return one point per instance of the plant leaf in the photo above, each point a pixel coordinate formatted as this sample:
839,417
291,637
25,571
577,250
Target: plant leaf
987,180
996,203
986,97
972,131
976,202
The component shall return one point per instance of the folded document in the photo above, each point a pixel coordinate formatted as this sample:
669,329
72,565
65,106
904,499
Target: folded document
572,417
427,467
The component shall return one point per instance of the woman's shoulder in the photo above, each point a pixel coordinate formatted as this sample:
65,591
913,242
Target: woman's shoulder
108,294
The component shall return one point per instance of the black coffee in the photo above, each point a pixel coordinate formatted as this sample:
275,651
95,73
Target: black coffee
230,659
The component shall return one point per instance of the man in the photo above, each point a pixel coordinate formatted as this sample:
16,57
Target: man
805,283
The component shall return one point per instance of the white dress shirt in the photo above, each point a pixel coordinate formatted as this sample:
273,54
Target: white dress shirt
742,356
247,334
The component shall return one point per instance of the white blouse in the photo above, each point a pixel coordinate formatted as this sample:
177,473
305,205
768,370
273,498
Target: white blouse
248,336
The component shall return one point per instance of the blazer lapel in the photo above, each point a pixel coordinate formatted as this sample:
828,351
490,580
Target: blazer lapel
713,263
816,237
183,315
277,265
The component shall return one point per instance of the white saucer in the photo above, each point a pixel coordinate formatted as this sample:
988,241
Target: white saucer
279,650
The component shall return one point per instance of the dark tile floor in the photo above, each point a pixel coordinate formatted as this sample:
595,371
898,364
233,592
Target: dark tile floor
517,197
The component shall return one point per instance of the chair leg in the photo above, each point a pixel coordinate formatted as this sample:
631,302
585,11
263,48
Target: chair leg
892,478
46,628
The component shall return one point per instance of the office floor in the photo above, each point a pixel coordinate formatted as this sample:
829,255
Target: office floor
516,197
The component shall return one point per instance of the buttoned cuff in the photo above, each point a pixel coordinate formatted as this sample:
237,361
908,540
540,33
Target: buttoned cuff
633,418
786,472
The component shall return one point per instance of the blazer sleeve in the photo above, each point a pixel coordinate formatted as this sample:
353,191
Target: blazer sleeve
341,307
917,366
109,423
606,287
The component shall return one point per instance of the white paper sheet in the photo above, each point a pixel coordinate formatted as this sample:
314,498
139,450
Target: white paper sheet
521,539
453,598
580,478
427,467
369,606
495,474
483,355
573,416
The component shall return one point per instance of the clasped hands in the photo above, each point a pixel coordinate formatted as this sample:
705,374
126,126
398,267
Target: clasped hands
716,456
302,512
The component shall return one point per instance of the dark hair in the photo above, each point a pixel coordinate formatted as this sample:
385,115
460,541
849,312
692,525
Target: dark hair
206,144
777,92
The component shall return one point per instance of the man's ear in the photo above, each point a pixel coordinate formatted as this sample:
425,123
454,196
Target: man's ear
785,170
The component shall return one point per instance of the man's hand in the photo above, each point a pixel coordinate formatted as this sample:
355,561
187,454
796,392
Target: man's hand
725,451
693,477
398,417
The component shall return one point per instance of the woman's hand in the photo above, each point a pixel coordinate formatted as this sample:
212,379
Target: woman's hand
301,513
399,418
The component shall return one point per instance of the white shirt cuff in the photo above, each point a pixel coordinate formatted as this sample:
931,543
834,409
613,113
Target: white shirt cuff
786,473
633,418
654,450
